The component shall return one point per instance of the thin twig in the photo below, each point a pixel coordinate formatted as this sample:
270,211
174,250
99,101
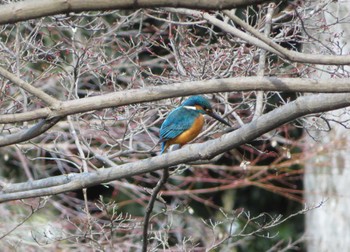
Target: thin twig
150,205
18,67
84,166
41,204
271,222
259,107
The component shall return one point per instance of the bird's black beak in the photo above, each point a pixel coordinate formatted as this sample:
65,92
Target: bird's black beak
217,117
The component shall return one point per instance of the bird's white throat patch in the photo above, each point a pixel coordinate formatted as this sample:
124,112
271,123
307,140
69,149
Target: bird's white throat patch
190,107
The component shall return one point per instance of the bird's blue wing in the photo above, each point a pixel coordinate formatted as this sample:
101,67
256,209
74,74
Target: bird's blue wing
178,121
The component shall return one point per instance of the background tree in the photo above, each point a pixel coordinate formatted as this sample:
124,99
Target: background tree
326,175
84,89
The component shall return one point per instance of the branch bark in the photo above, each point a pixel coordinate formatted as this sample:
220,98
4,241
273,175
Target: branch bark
181,89
25,10
300,107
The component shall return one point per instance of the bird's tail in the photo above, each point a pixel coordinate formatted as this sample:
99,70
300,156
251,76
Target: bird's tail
164,147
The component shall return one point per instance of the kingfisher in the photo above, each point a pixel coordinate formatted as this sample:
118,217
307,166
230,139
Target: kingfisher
184,123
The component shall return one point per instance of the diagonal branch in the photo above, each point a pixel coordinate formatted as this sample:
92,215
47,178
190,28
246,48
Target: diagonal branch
300,107
227,28
264,42
293,56
29,88
25,135
182,89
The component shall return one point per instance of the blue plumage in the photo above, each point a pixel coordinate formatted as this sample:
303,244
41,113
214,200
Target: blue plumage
178,121
183,118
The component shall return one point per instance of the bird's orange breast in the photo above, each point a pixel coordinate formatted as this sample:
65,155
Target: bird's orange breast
190,133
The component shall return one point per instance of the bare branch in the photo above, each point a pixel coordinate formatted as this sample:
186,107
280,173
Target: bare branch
149,209
29,88
27,134
265,43
205,151
25,10
288,54
41,204
182,89
259,107
227,28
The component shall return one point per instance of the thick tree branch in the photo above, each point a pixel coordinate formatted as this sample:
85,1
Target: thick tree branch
29,88
300,107
182,89
29,9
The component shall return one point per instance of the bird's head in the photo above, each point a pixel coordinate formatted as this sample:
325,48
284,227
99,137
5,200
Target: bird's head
203,106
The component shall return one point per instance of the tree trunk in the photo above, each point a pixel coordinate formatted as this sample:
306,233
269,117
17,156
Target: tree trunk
327,173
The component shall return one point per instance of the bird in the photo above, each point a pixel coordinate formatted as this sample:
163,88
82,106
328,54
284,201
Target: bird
184,123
